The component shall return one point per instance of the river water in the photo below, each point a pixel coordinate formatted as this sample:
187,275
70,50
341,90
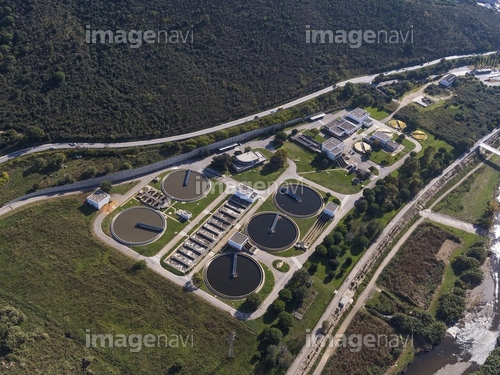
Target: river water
468,344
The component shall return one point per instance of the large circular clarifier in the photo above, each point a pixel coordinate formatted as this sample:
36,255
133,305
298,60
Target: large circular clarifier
138,226
233,277
185,185
298,200
272,231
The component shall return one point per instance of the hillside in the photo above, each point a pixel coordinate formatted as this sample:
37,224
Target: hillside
245,56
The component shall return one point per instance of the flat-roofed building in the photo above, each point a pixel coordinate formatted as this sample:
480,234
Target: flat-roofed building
392,146
248,160
245,193
382,137
98,199
238,241
331,209
448,80
332,148
359,115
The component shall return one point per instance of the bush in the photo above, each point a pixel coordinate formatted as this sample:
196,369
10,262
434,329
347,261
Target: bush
285,320
285,295
253,302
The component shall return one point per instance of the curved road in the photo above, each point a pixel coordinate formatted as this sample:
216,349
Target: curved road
364,79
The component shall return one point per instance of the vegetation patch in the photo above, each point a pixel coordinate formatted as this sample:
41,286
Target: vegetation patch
362,360
415,273
72,281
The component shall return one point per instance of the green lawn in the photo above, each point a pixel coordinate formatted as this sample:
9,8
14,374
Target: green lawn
69,282
300,156
385,159
317,137
262,177
432,141
469,201
377,113
123,188
335,179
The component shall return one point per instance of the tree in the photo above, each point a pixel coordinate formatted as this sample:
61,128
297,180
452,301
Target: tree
373,209
334,251
139,265
324,326
285,358
285,295
464,263
278,305
278,160
40,163
106,186
362,205
300,293
248,149
34,133
338,237
450,308
253,301
285,320
221,162
197,280
281,137
271,356
321,251
274,336
59,77
472,277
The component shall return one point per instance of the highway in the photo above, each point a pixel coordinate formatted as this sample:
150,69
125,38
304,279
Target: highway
363,79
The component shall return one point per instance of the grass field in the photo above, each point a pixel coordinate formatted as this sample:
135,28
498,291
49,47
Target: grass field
432,141
262,177
301,157
69,282
385,159
469,200
123,188
335,179
376,113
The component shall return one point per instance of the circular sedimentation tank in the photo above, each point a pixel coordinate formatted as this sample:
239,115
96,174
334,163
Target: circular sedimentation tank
233,278
298,200
138,226
185,185
272,231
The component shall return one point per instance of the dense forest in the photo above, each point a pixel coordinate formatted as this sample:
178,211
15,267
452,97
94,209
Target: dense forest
244,56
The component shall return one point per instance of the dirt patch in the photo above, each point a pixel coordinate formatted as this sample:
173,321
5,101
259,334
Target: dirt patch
447,248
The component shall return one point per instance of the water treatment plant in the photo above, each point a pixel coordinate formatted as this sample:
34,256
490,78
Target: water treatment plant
137,226
185,185
298,200
233,275
272,231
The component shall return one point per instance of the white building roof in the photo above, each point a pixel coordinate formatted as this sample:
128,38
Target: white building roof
98,196
239,238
